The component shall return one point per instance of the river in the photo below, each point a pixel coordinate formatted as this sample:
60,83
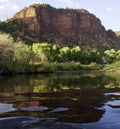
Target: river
68,100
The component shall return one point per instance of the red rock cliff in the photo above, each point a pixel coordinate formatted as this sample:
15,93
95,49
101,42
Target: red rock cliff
64,26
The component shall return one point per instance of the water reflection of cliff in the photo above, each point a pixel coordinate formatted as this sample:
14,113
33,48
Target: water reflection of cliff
81,93
82,106
56,82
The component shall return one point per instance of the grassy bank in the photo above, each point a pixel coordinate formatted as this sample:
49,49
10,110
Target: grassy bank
18,57
15,67
113,67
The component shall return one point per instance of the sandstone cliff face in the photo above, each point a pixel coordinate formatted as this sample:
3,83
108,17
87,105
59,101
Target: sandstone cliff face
29,16
65,26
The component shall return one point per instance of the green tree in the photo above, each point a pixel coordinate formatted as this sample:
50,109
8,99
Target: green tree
54,56
110,55
43,52
23,54
65,54
75,53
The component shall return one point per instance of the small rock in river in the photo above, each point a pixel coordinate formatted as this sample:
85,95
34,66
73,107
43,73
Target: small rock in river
60,109
34,108
4,107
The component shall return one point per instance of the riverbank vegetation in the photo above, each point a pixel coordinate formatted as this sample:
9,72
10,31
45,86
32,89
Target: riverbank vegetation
17,57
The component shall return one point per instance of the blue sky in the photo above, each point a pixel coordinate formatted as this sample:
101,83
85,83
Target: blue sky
108,11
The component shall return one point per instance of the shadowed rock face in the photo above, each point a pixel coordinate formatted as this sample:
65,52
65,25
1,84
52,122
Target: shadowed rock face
68,23
65,26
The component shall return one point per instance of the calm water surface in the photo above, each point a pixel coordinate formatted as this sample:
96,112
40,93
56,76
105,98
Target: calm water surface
70,100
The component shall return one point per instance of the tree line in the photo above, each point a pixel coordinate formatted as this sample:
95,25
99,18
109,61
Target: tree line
14,54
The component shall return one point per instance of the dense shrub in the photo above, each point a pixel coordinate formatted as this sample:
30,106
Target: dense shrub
17,57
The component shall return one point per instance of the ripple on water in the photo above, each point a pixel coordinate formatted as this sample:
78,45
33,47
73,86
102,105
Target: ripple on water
112,93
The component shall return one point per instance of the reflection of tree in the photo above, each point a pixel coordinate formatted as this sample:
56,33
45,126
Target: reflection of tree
56,82
82,104
81,81
115,79
81,92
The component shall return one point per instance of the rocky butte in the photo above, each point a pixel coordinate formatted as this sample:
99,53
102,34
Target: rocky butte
43,23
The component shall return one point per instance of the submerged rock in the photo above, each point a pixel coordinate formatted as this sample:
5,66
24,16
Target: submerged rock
25,122
112,94
60,109
114,104
15,122
4,107
34,108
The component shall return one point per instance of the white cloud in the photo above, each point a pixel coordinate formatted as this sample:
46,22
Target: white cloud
69,2
36,2
7,9
109,9
89,9
15,7
3,0
1,7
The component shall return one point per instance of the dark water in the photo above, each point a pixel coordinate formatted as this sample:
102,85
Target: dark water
82,100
